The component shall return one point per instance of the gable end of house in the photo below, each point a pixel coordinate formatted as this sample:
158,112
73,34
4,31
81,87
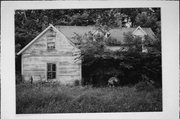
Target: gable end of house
43,32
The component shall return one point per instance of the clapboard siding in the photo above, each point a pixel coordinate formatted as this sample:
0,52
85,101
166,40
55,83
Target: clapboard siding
36,57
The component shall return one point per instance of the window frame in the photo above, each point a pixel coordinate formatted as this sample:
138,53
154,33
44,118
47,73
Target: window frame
53,47
51,71
50,40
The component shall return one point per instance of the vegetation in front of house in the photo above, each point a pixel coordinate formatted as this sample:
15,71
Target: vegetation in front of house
129,66
54,98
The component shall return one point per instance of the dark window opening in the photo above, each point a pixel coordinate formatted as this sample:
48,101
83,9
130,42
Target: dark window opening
51,45
51,71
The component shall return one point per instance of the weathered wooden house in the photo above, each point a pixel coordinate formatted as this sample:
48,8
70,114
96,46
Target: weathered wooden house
51,55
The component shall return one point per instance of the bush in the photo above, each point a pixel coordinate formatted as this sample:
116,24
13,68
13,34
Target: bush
76,83
113,81
129,69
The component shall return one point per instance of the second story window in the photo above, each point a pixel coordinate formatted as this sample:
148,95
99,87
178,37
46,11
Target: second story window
51,45
51,38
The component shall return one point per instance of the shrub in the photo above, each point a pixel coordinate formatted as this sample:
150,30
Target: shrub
76,83
129,69
113,81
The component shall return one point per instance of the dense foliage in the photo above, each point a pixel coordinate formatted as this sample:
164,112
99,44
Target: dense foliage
129,66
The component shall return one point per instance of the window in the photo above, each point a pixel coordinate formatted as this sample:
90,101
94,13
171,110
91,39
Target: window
51,37
51,45
51,71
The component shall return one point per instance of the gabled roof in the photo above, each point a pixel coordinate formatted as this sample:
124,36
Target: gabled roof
29,44
34,40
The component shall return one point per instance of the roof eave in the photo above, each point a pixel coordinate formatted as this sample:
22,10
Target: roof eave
21,51
65,36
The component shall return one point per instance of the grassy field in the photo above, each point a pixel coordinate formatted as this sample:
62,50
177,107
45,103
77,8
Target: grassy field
54,98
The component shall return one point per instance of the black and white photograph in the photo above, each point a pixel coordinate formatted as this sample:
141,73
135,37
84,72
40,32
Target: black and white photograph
89,59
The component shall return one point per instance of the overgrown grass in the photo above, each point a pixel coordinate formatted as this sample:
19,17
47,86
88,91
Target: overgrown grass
54,98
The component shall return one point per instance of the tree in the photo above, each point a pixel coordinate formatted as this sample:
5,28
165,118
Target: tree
147,66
